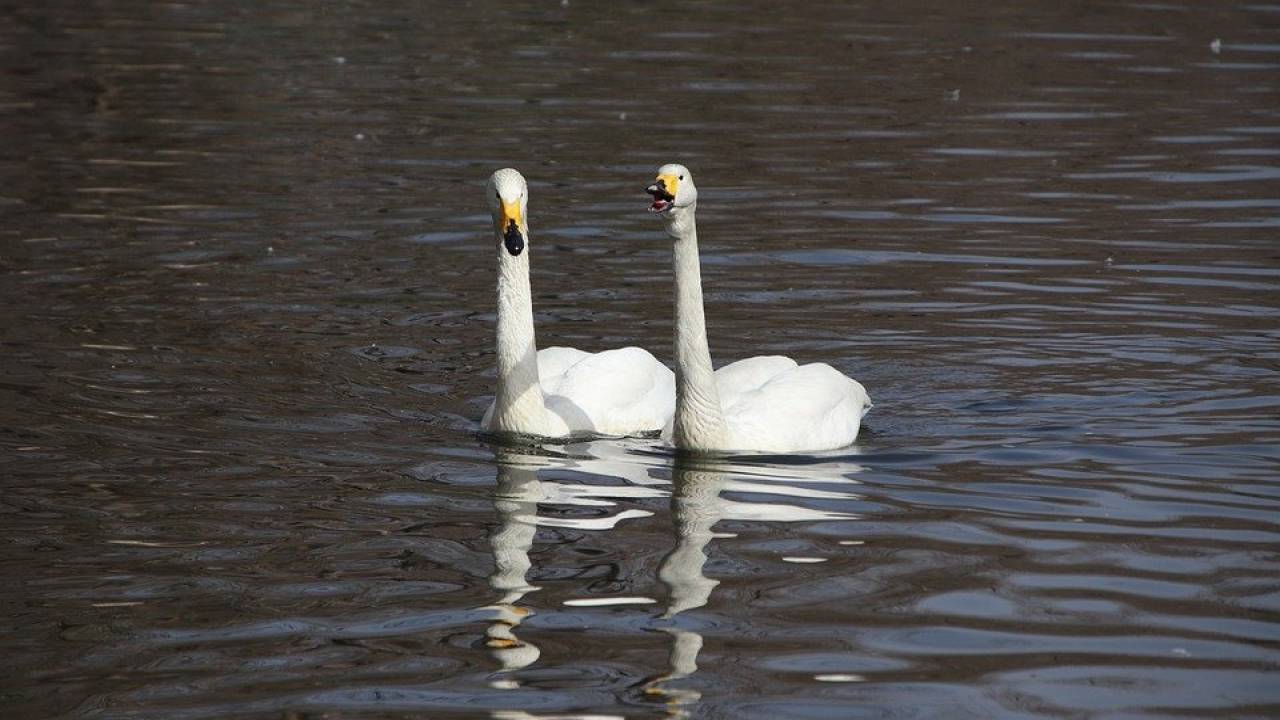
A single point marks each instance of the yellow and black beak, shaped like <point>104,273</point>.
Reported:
<point>511,223</point>
<point>663,190</point>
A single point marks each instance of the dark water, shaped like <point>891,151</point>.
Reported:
<point>247,331</point>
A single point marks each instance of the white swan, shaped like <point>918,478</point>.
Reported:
<point>560,391</point>
<point>766,403</point>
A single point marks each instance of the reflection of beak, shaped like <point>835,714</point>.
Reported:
<point>511,222</point>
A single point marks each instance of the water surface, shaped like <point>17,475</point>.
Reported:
<point>247,298</point>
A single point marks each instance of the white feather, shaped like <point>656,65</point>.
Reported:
<point>563,391</point>
<point>767,403</point>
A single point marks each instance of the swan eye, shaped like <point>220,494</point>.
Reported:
<point>681,177</point>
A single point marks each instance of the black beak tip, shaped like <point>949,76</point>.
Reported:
<point>513,239</point>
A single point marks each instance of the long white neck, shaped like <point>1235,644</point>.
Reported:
<point>519,406</point>
<point>699,421</point>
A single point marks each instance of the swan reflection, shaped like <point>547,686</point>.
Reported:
<point>516,503</point>
<point>696,507</point>
<point>516,498</point>
<point>696,492</point>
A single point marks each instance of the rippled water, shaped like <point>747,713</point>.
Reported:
<point>248,315</point>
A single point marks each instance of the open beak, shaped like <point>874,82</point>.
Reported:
<point>663,191</point>
<point>511,224</point>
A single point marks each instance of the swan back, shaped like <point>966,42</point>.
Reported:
<point>805,408</point>
<point>613,392</point>
<point>772,404</point>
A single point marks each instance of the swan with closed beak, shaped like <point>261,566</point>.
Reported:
<point>559,391</point>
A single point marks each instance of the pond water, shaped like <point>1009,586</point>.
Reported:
<point>247,298</point>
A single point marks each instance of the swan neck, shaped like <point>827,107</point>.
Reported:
<point>519,406</point>
<point>699,421</point>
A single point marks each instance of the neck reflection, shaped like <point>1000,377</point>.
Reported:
<point>518,493</point>
<point>528,477</point>
<point>806,493</point>
<point>695,509</point>
<point>516,503</point>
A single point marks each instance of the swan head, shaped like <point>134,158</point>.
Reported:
<point>672,190</point>
<point>508,201</point>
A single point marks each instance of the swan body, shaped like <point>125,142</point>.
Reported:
<point>765,404</point>
<point>559,391</point>
<point>772,404</point>
<point>614,392</point>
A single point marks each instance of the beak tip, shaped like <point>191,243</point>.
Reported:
<point>513,239</point>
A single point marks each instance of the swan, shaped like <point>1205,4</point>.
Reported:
<point>560,391</point>
<point>765,404</point>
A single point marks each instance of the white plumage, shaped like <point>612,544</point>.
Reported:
<point>767,403</point>
<point>772,404</point>
<point>560,391</point>
<point>613,392</point>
